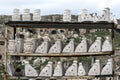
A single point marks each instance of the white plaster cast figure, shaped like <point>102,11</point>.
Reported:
<point>107,44</point>
<point>56,48</point>
<point>26,15</point>
<point>58,71</point>
<point>69,48</point>
<point>67,16</point>
<point>44,47</point>
<point>36,15</point>
<point>84,16</point>
<point>11,46</point>
<point>47,70</point>
<point>108,68</point>
<point>10,68</point>
<point>16,15</point>
<point>29,70</point>
<point>81,70</point>
<point>82,47</point>
<point>95,69</point>
<point>36,62</point>
<point>96,46</point>
<point>72,70</point>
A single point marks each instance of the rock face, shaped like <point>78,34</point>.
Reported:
<point>95,69</point>
<point>67,16</point>
<point>81,70</point>
<point>36,15</point>
<point>82,47</point>
<point>26,15</point>
<point>16,15</point>
<point>29,70</point>
<point>69,48</point>
<point>44,47</point>
<point>72,70</point>
<point>107,45</point>
<point>58,71</point>
<point>47,70</point>
<point>56,48</point>
<point>108,68</point>
<point>96,46</point>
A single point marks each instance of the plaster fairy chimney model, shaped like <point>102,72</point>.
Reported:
<point>72,70</point>
<point>82,47</point>
<point>58,71</point>
<point>36,15</point>
<point>56,48</point>
<point>107,45</point>
<point>10,68</point>
<point>16,15</point>
<point>84,16</point>
<point>26,15</point>
<point>11,46</point>
<point>81,70</point>
<point>29,70</point>
<point>95,69</point>
<point>96,46</point>
<point>69,48</point>
<point>108,68</point>
<point>47,70</point>
<point>67,16</point>
<point>44,47</point>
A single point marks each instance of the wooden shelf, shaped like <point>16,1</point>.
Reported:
<point>62,54</point>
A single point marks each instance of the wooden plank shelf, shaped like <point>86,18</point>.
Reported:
<point>62,54</point>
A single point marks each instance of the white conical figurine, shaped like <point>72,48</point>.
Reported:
<point>36,15</point>
<point>10,68</point>
<point>29,70</point>
<point>58,71</point>
<point>108,68</point>
<point>107,45</point>
<point>69,48</point>
<point>96,46</point>
<point>72,70</point>
<point>82,47</point>
<point>47,70</point>
<point>95,69</point>
<point>26,15</point>
<point>67,16</point>
<point>56,48</point>
<point>16,15</point>
<point>44,47</point>
<point>81,70</point>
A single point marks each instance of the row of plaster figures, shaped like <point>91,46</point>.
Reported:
<point>70,47</point>
<point>84,16</point>
<point>73,70</point>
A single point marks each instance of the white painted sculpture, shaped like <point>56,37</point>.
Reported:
<point>81,70</point>
<point>108,68</point>
<point>29,70</point>
<point>36,15</point>
<point>10,68</point>
<point>84,16</point>
<point>58,71</point>
<point>67,16</point>
<point>20,44</point>
<point>11,46</point>
<point>47,70</point>
<point>72,70</point>
<point>96,46</point>
<point>95,69</point>
<point>36,62</point>
<point>107,45</point>
<point>69,48</point>
<point>26,15</point>
<point>28,46</point>
<point>56,48</point>
<point>16,15</point>
<point>82,47</point>
<point>44,47</point>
